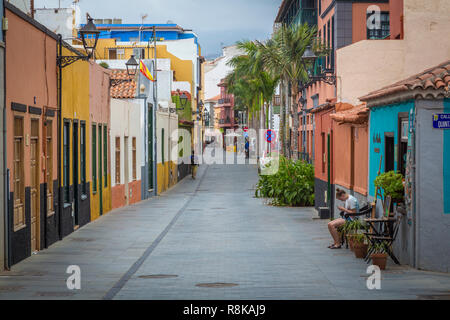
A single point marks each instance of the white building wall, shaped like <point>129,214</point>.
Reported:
<point>168,122</point>
<point>61,20</point>
<point>218,69</point>
<point>125,114</point>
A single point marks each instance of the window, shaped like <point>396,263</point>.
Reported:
<point>328,40</point>
<point>100,148</point>
<point>112,54</point>
<point>66,161</point>
<point>49,166</point>
<point>384,30</point>
<point>320,7</point>
<point>323,152</point>
<point>117,160</point>
<point>332,42</point>
<point>83,157</point>
<point>403,128</point>
<point>133,150</point>
<point>19,191</point>
<point>162,145</point>
<point>105,154</point>
<point>94,158</point>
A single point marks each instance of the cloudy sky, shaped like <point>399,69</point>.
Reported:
<point>216,22</point>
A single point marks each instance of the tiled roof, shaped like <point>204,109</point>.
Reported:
<point>180,92</point>
<point>355,115</point>
<point>432,83</point>
<point>216,98</point>
<point>124,90</point>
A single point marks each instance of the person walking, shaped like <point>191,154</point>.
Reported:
<point>194,165</point>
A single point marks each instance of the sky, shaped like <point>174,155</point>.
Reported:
<point>217,23</point>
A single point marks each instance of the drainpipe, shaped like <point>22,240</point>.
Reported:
<point>155,98</point>
<point>416,200</point>
<point>59,54</point>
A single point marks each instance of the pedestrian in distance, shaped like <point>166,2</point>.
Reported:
<point>194,164</point>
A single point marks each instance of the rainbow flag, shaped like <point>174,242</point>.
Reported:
<point>145,71</point>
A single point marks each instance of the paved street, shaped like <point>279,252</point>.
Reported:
<point>209,238</point>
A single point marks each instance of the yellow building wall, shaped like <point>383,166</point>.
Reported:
<point>184,69</point>
<point>75,105</point>
<point>167,170</point>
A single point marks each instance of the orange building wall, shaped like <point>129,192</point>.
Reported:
<point>395,18</point>
<point>118,199</point>
<point>359,14</point>
<point>30,75</point>
<point>361,160</point>
<point>324,124</point>
<point>342,155</point>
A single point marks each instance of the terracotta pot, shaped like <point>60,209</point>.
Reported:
<point>379,259</point>
<point>360,250</point>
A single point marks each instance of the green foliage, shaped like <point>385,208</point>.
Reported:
<point>104,65</point>
<point>359,238</point>
<point>377,247</point>
<point>183,114</point>
<point>291,185</point>
<point>391,183</point>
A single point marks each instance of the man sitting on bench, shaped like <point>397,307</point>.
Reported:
<point>351,207</point>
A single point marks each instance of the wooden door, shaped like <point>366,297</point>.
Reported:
<point>34,192</point>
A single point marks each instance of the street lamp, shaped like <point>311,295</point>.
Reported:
<point>183,100</point>
<point>132,66</point>
<point>326,75</point>
<point>88,32</point>
<point>309,56</point>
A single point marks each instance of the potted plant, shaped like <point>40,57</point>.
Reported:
<point>379,255</point>
<point>353,230</point>
<point>359,245</point>
<point>392,185</point>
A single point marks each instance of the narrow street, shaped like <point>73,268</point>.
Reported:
<point>209,238</point>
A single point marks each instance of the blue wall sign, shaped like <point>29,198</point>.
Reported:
<point>441,121</point>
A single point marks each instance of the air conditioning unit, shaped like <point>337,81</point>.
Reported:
<point>324,213</point>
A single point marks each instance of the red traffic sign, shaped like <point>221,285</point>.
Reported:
<point>245,129</point>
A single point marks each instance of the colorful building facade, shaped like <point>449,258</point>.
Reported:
<point>32,140</point>
<point>126,143</point>
<point>410,130</point>
<point>100,124</point>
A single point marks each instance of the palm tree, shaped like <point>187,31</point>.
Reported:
<point>283,55</point>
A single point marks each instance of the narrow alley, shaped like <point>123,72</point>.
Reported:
<point>209,238</point>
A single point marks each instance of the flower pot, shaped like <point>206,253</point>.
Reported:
<point>379,259</point>
<point>360,250</point>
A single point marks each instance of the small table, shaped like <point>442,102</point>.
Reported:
<point>385,230</point>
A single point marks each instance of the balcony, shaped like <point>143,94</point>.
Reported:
<point>225,101</point>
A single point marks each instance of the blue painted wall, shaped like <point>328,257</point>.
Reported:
<point>383,119</point>
<point>146,35</point>
<point>446,162</point>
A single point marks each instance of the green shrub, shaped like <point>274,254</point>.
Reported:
<point>291,185</point>
<point>391,183</point>
<point>104,65</point>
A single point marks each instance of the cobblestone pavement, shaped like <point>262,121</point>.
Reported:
<point>209,238</point>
